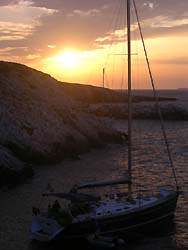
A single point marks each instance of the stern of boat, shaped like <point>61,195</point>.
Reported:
<point>44,229</point>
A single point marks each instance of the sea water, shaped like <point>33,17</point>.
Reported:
<point>151,170</point>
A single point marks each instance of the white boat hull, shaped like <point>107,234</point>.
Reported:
<point>110,219</point>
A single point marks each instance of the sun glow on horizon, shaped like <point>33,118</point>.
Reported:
<point>72,65</point>
<point>69,65</point>
<point>69,59</point>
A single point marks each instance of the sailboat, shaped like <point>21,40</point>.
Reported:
<point>122,214</point>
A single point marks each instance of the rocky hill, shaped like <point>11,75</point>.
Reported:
<point>41,123</point>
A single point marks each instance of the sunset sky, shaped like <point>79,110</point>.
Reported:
<point>71,40</point>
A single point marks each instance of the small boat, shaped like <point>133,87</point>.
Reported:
<point>125,214</point>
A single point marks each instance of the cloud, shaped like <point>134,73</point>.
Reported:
<point>14,31</point>
<point>23,12</point>
<point>6,51</point>
<point>71,29</point>
<point>31,57</point>
<point>70,5</point>
<point>46,27</point>
<point>165,22</point>
<point>17,21</point>
<point>91,12</point>
<point>149,4</point>
<point>13,54</point>
<point>5,2</point>
<point>51,46</point>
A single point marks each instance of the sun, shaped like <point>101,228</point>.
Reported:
<point>71,65</point>
<point>68,59</point>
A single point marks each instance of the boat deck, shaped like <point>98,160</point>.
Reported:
<point>116,206</point>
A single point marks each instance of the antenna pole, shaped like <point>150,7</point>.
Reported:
<point>129,98</point>
<point>103,74</point>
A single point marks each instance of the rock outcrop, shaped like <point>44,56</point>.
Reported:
<point>144,110</point>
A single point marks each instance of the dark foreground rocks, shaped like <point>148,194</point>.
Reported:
<point>12,170</point>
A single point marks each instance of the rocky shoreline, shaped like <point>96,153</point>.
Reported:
<point>145,110</point>
<point>41,124</point>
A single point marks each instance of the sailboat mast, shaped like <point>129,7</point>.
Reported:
<point>129,96</point>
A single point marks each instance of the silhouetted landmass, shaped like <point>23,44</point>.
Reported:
<point>92,95</point>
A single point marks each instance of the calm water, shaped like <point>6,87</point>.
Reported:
<point>151,170</point>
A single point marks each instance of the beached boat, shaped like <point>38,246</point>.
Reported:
<point>121,214</point>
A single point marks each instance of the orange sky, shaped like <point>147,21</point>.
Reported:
<point>166,57</point>
<point>72,40</point>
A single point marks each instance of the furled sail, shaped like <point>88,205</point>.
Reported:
<point>74,197</point>
<point>123,180</point>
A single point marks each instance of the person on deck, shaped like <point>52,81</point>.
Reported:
<point>56,206</point>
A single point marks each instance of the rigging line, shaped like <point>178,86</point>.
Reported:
<point>119,20</point>
<point>115,9</point>
<point>114,28</point>
<point>156,98</point>
<point>124,53</point>
<point>129,97</point>
<point>117,28</point>
<point>138,139</point>
<point>122,28</point>
<point>115,25</point>
<point>124,48</point>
